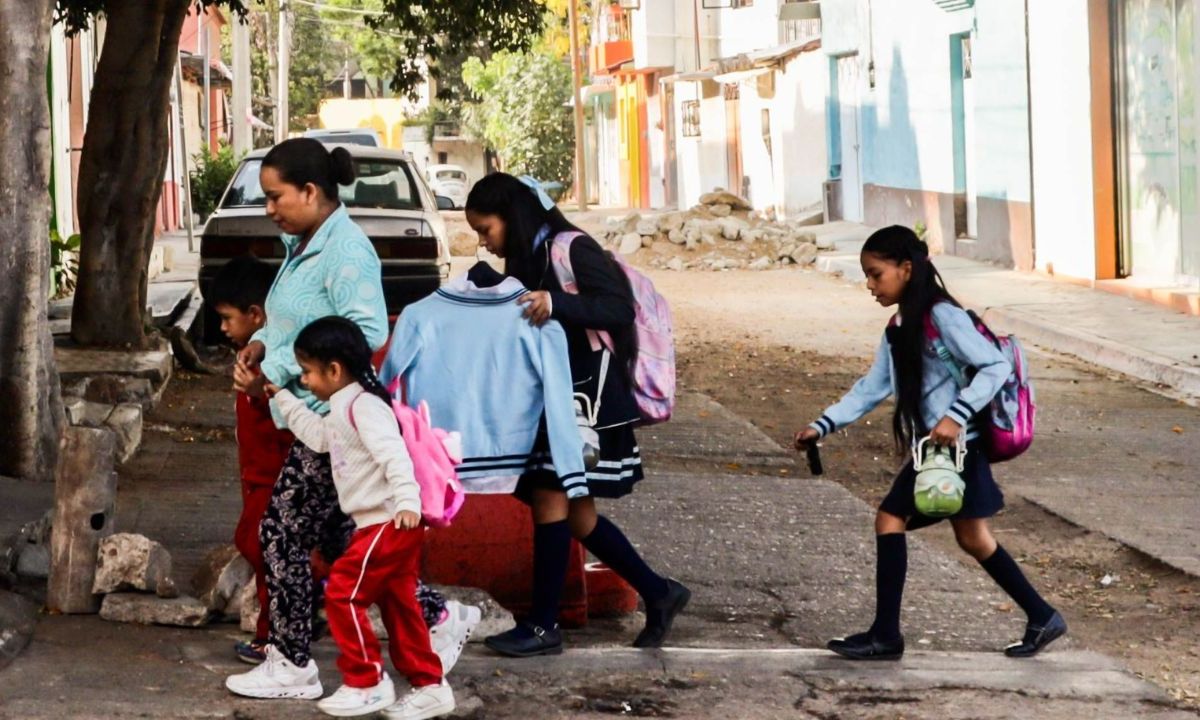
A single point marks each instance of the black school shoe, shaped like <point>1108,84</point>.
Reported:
<point>527,640</point>
<point>661,615</point>
<point>1037,637</point>
<point>865,646</point>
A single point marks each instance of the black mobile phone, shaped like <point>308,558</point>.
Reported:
<point>814,459</point>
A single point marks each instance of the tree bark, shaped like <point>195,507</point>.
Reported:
<point>31,413</point>
<point>121,169</point>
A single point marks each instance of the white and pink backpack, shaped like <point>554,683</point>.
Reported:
<point>435,453</point>
<point>654,366</point>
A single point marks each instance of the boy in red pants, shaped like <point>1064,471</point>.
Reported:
<point>238,294</point>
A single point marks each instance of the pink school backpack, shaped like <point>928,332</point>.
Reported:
<point>654,366</point>
<point>1013,411</point>
<point>434,453</point>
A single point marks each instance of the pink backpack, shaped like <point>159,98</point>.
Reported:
<point>434,453</point>
<point>1013,411</point>
<point>654,366</point>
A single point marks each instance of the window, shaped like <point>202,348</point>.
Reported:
<point>443,158</point>
<point>384,184</point>
<point>691,118</point>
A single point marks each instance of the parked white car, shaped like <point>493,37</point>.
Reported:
<point>450,181</point>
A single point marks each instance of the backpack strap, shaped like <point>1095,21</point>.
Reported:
<point>351,409</point>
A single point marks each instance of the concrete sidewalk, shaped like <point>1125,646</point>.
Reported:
<point>1137,338</point>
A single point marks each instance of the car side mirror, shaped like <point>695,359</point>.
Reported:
<point>444,203</point>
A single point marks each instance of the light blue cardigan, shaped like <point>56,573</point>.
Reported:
<point>337,274</point>
<point>941,395</point>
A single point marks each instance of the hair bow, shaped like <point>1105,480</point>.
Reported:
<point>536,187</point>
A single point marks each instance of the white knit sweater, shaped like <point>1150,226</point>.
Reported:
<point>371,467</point>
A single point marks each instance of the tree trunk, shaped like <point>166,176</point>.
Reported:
<point>31,413</point>
<point>121,169</point>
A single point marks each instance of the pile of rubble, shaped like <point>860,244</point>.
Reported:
<point>721,233</point>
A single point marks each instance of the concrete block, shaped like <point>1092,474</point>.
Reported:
<point>126,423</point>
<point>75,363</point>
<point>85,502</point>
<point>222,575</point>
<point>144,609</point>
<point>127,561</point>
<point>118,390</point>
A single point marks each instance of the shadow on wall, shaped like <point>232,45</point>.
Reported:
<point>891,164</point>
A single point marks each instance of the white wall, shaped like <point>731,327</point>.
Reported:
<point>798,132</point>
<point>656,147</point>
<point>1060,108</point>
<point>701,160</point>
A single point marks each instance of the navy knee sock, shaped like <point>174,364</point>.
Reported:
<point>611,547</point>
<point>891,567</point>
<point>551,550</point>
<point>1007,574</point>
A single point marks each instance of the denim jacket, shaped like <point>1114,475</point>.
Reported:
<point>941,395</point>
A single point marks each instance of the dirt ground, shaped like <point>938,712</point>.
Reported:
<point>1147,614</point>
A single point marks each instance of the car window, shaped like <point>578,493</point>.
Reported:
<point>452,175</point>
<point>386,184</point>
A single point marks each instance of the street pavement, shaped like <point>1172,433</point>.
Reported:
<point>777,564</point>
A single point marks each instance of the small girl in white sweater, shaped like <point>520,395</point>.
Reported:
<point>375,485</point>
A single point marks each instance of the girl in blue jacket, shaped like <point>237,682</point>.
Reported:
<point>517,222</point>
<point>929,402</point>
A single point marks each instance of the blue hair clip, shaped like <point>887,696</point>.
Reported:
<point>536,187</point>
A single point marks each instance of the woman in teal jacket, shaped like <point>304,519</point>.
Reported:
<point>330,268</point>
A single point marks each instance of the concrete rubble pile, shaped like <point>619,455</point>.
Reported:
<point>720,233</point>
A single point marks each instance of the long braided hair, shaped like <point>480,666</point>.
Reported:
<point>336,338</point>
<point>898,244</point>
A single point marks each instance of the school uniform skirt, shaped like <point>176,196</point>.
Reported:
<point>982,497</point>
<point>619,468</point>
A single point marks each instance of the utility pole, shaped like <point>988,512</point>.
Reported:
<point>206,107</point>
<point>285,51</point>
<point>243,140</point>
<point>577,73</point>
<point>347,86</point>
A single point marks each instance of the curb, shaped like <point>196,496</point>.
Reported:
<point>1135,362</point>
<point>1141,364</point>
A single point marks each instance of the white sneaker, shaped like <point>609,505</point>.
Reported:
<point>450,636</point>
<point>352,702</point>
<point>422,703</point>
<point>277,677</point>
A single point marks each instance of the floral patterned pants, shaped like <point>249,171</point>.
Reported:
<point>304,515</point>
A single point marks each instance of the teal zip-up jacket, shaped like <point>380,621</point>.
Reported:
<point>337,274</point>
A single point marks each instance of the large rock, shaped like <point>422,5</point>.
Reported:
<point>249,607</point>
<point>18,617</point>
<point>670,221</point>
<point>127,561</point>
<point>763,263</point>
<point>30,548</point>
<point>732,228</point>
<point>495,618</point>
<point>630,243</point>
<point>118,390</point>
<point>221,576</point>
<point>722,197</point>
<point>629,223</point>
<point>125,421</point>
<point>720,210</point>
<point>675,263</point>
<point>144,609</point>
<point>804,254</point>
<point>85,493</point>
<point>646,226</point>
<point>676,237</point>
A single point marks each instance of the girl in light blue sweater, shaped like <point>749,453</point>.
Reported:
<point>929,402</point>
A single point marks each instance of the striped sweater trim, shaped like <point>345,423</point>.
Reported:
<point>477,300</point>
<point>960,412</point>
<point>824,425</point>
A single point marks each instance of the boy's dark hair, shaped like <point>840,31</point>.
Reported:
<point>336,338</point>
<point>898,244</point>
<point>301,161</point>
<point>240,283</point>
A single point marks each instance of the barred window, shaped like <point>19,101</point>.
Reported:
<point>691,118</point>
